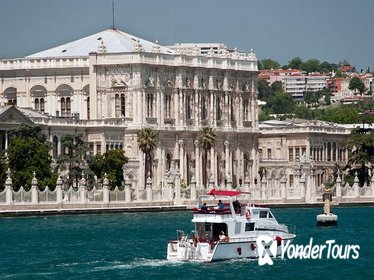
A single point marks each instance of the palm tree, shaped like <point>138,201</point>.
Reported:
<point>147,142</point>
<point>206,139</point>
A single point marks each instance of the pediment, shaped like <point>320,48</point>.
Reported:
<point>12,115</point>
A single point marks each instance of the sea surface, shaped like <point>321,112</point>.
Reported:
<point>133,246</point>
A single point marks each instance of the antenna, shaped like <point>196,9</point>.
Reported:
<point>113,13</point>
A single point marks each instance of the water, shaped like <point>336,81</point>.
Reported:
<point>133,246</point>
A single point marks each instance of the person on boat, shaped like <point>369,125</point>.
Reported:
<point>204,207</point>
<point>222,237</point>
<point>220,205</point>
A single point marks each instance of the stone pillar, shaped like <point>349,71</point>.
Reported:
<point>181,158</point>
<point>227,158</point>
<point>197,164</point>
<point>105,189</point>
<point>302,187</point>
<point>229,182</point>
<point>211,183</point>
<point>177,199</point>
<point>6,140</point>
<point>356,186</point>
<point>338,186</point>
<point>82,190</point>
<point>193,195</point>
<point>246,183</point>
<point>283,182</point>
<point>8,189</point>
<point>169,192</point>
<point>127,189</point>
<point>149,188</point>
<point>34,189</point>
<point>263,187</point>
<point>59,190</point>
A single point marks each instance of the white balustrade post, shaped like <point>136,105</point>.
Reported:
<point>170,188</point>
<point>193,195</point>
<point>105,189</point>
<point>356,186</point>
<point>128,189</point>
<point>59,190</point>
<point>149,187</point>
<point>283,182</point>
<point>263,187</point>
<point>34,189</point>
<point>82,190</point>
<point>338,186</point>
<point>8,189</point>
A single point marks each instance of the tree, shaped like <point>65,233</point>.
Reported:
<point>3,169</point>
<point>147,142</point>
<point>264,90</point>
<point>361,158</point>
<point>312,97</point>
<point>206,138</point>
<point>269,64</point>
<point>281,103</point>
<point>277,86</point>
<point>111,163</point>
<point>357,85</point>
<point>311,65</point>
<point>342,114</point>
<point>28,152</point>
<point>73,156</point>
<point>295,63</point>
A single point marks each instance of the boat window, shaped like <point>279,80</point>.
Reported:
<point>270,215</point>
<point>263,214</point>
<point>249,226</point>
<point>238,227</point>
<point>208,226</point>
<point>254,213</point>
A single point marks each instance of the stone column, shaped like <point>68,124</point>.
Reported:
<point>264,188</point>
<point>181,158</point>
<point>105,189</point>
<point>127,190</point>
<point>59,190</point>
<point>82,190</point>
<point>338,186</point>
<point>193,195</point>
<point>8,189</point>
<point>170,190</point>
<point>149,188</point>
<point>302,187</point>
<point>283,182</point>
<point>197,164</point>
<point>356,186</point>
<point>246,184</point>
<point>34,189</point>
<point>177,199</point>
<point>227,158</point>
<point>229,182</point>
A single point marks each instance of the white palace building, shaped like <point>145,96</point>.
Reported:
<point>111,84</point>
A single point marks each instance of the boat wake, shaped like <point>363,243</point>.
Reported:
<point>136,263</point>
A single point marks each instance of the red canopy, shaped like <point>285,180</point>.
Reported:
<point>224,193</point>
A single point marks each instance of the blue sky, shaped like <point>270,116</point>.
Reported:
<point>329,30</point>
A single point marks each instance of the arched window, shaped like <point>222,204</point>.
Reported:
<point>218,108</point>
<point>86,92</point>
<point>150,100</point>
<point>36,104</point>
<point>334,151</point>
<point>65,92</point>
<point>245,109</point>
<point>117,105</point>
<point>39,93</point>
<point>10,96</point>
<point>123,105</point>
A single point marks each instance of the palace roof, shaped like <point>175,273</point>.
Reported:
<point>109,40</point>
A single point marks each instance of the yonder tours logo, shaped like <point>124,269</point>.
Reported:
<point>267,249</point>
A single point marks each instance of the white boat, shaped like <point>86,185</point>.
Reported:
<point>228,233</point>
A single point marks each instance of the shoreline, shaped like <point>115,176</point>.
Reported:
<point>81,209</point>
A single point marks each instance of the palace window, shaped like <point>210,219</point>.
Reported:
<point>232,103</point>
<point>167,106</point>
<point>189,107</point>
<point>120,105</point>
<point>218,108</point>
<point>150,100</point>
<point>65,106</point>
<point>204,110</point>
<point>245,109</point>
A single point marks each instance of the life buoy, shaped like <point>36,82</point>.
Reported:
<point>279,240</point>
<point>253,246</point>
<point>247,214</point>
<point>239,251</point>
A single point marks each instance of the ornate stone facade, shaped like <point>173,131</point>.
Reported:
<point>110,93</point>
